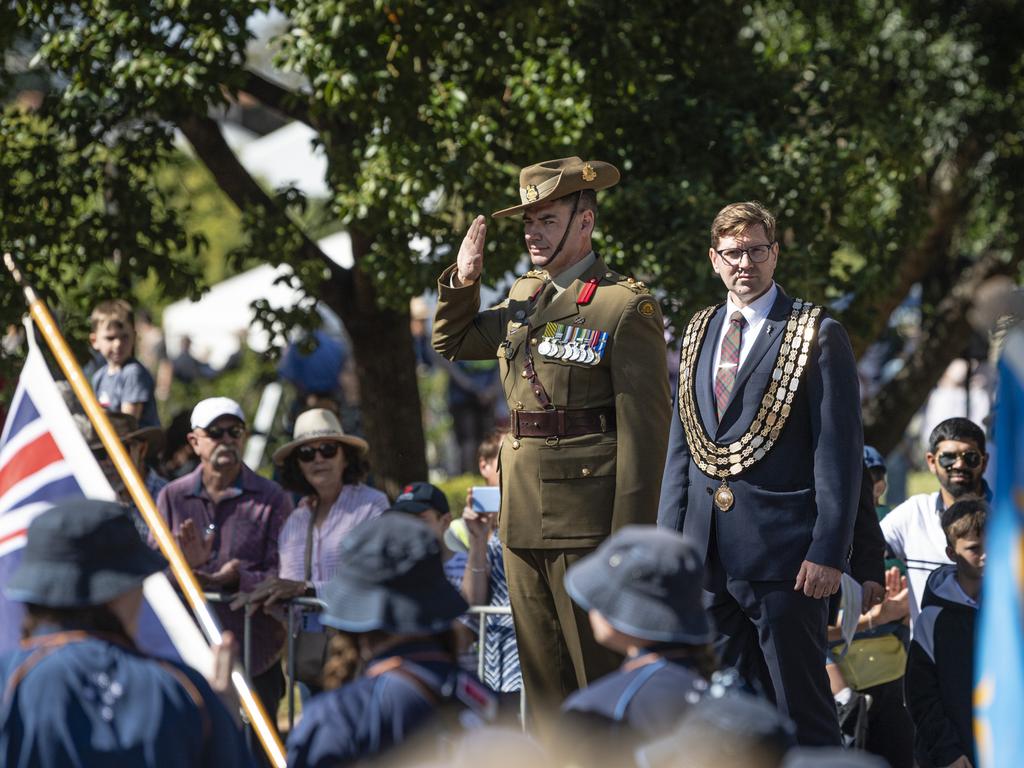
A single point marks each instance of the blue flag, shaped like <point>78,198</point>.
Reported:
<point>999,677</point>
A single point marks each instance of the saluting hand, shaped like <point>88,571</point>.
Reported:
<point>470,263</point>
<point>817,581</point>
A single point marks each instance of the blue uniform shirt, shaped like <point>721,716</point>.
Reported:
<point>375,712</point>
<point>93,702</point>
<point>641,701</point>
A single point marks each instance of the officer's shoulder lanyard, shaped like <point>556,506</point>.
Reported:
<point>44,645</point>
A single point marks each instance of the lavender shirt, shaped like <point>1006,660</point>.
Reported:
<point>248,521</point>
<point>355,504</point>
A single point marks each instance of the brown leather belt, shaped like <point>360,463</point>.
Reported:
<point>562,422</point>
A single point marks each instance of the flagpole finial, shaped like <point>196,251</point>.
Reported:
<point>12,266</point>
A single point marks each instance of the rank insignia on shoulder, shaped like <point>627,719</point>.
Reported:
<point>636,286</point>
<point>538,273</point>
<point>646,308</point>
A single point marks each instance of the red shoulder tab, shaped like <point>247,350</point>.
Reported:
<point>587,294</point>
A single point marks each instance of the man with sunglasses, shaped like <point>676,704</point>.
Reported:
<point>764,469</point>
<point>913,530</point>
<point>227,520</point>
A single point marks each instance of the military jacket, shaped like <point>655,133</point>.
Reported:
<point>571,492</point>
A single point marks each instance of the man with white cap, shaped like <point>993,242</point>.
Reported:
<point>227,520</point>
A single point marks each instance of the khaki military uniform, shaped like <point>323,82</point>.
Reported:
<point>562,496</point>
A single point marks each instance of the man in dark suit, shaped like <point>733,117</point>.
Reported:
<point>764,469</point>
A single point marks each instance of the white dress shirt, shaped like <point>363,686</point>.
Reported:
<point>755,313</point>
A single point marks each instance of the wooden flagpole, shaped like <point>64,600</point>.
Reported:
<point>44,321</point>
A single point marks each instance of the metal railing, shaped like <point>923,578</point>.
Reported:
<point>297,606</point>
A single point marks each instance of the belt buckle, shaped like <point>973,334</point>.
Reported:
<point>552,440</point>
<point>514,419</point>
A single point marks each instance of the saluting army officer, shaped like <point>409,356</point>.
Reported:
<point>582,362</point>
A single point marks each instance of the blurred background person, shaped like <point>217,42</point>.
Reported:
<point>79,692</point>
<point>391,593</point>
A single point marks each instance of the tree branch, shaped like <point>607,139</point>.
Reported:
<point>278,98</point>
<point>232,177</point>
<point>950,202</point>
<point>944,336</point>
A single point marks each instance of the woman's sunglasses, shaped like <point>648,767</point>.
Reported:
<point>308,452</point>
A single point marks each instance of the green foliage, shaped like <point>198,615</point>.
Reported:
<point>455,490</point>
<point>850,119</point>
<point>243,384</point>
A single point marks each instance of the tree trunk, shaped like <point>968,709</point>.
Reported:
<point>386,370</point>
<point>944,337</point>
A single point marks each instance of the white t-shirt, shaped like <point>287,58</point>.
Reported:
<point>914,534</point>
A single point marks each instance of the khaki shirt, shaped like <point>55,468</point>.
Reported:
<point>572,491</point>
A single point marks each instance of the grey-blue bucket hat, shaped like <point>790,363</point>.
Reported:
<point>391,579</point>
<point>83,552</point>
<point>647,582</point>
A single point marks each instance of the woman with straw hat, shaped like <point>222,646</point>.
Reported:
<point>327,467</point>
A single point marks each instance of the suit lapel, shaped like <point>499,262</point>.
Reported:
<point>771,331</point>
<point>704,383</point>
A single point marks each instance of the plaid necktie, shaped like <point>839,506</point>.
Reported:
<point>729,362</point>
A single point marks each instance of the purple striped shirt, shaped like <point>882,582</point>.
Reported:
<point>355,504</point>
<point>248,521</point>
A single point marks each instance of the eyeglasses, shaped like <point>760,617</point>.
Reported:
<point>216,433</point>
<point>308,452</point>
<point>757,253</point>
<point>971,459</point>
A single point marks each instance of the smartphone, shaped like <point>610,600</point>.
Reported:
<point>486,499</point>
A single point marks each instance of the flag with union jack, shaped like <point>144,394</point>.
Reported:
<point>44,459</point>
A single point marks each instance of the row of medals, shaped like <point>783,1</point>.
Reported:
<point>725,461</point>
<point>574,351</point>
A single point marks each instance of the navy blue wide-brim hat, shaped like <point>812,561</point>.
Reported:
<point>647,582</point>
<point>723,730</point>
<point>831,757</point>
<point>81,553</point>
<point>391,579</point>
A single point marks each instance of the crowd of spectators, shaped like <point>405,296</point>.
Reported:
<point>397,578</point>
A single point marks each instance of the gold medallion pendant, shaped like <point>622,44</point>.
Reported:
<point>724,498</point>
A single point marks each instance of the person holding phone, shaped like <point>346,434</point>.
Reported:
<point>484,581</point>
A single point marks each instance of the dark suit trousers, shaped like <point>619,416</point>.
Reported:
<point>557,651</point>
<point>775,638</point>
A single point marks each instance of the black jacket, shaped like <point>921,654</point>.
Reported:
<point>940,672</point>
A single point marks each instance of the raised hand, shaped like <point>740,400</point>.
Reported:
<point>470,263</point>
<point>195,547</point>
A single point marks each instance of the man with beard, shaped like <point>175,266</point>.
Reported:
<point>913,531</point>
<point>227,520</point>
